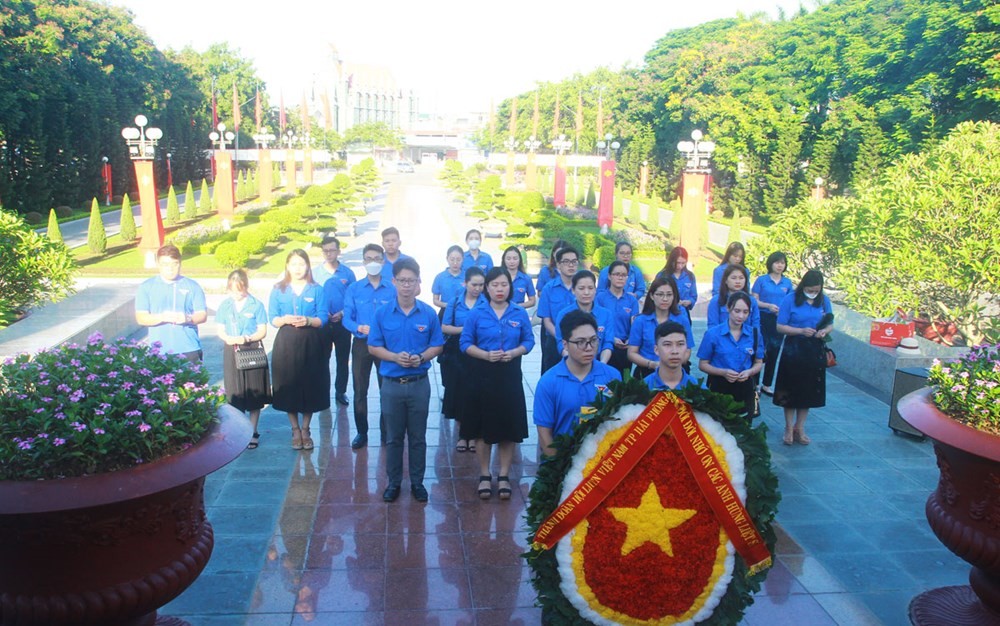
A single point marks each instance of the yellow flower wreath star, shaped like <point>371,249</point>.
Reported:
<point>650,521</point>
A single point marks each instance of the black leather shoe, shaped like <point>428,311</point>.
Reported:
<point>391,493</point>
<point>359,441</point>
<point>419,493</point>
<point>342,399</point>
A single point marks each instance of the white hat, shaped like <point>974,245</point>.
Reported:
<point>908,346</point>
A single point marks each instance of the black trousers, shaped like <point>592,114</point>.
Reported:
<point>743,392</point>
<point>339,344</point>
<point>551,354</point>
<point>361,372</point>
<point>772,345</point>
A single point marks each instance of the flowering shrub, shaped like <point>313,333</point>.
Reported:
<point>197,234</point>
<point>968,390</point>
<point>100,407</point>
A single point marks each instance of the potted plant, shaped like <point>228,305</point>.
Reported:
<point>104,449</point>
<point>960,412</point>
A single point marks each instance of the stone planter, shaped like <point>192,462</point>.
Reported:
<point>964,513</point>
<point>111,548</point>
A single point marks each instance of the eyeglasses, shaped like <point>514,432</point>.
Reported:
<point>619,274</point>
<point>373,259</point>
<point>584,344</point>
<point>407,281</point>
<point>569,262</point>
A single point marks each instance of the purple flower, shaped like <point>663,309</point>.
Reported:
<point>148,402</point>
<point>76,396</point>
<point>144,427</point>
<point>63,388</point>
<point>58,441</point>
<point>98,431</point>
<point>79,427</point>
<point>133,414</point>
<point>145,372</point>
<point>24,445</point>
<point>168,424</point>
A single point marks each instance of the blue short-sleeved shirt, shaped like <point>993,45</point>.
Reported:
<point>311,303</point>
<point>605,326</point>
<point>717,277</point>
<point>554,298</point>
<point>387,266</point>
<point>457,311</point>
<point>560,396</point>
<point>180,296</point>
<point>635,284</point>
<point>622,311</point>
<point>544,276</point>
<point>803,316</point>
<point>361,301</point>
<point>397,331</point>
<point>643,333</point>
<point>243,321</point>
<point>447,286</point>
<point>334,291</point>
<point>770,292</point>
<point>718,312</point>
<point>655,383</point>
<point>345,275</point>
<point>721,350</point>
<point>486,331</point>
<point>687,286</point>
<point>484,262</point>
<point>522,288</point>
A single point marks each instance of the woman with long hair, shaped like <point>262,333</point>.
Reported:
<point>769,290</point>
<point>448,284</point>
<point>734,280</point>
<point>687,286</point>
<point>496,335</point>
<point>524,290</point>
<point>661,305</point>
<point>454,363</point>
<point>805,318</point>
<point>550,271</point>
<point>300,369</point>
<point>584,292</point>
<point>735,254</point>
<point>242,323</point>
<point>635,284</point>
<point>732,353</point>
<point>624,307</point>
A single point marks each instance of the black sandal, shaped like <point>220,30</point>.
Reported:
<point>504,492</point>
<point>487,493</point>
<point>254,441</point>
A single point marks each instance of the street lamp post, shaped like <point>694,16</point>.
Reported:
<point>141,142</point>
<point>560,145</point>
<point>170,172</point>
<point>696,184</point>
<point>818,192</point>
<point>264,169</point>
<point>224,203</point>
<point>106,179</point>
<point>290,138</point>
<point>530,171</point>
<point>606,203</point>
<point>511,145</point>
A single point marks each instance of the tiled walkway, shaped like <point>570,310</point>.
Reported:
<point>303,537</point>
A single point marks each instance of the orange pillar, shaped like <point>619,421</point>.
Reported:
<point>152,222</point>
<point>307,166</point>
<point>224,185</point>
<point>290,170</point>
<point>692,214</point>
<point>264,174</point>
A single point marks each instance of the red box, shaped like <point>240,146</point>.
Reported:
<point>889,334</point>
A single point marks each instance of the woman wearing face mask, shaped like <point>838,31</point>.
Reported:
<point>687,286</point>
<point>524,290</point>
<point>475,256</point>
<point>769,290</point>
<point>660,306</point>
<point>584,292</point>
<point>301,370</point>
<point>805,317</point>
<point>496,335</point>
<point>735,255</point>
<point>734,279</point>
<point>732,353</point>
<point>624,307</point>
<point>454,364</point>
<point>448,285</point>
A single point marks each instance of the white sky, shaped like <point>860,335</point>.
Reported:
<point>456,54</point>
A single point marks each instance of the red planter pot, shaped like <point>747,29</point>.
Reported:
<point>111,548</point>
<point>964,513</point>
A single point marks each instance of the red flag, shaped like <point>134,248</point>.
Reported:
<point>215,108</point>
<point>236,109</point>
<point>559,191</point>
<point>605,207</point>
<point>281,113</point>
<point>258,112</point>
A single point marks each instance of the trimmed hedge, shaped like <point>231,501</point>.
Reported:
<point>232,255</point>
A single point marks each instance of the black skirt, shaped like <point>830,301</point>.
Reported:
<point>247,390</point>
<point>451,368</point>
<point>300,369</point>
<point>494,408</point>
<point>742,391</point>
<point>801,379</point>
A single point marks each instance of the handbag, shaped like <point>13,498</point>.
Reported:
<point>250,356</point>
<point>830,357</point>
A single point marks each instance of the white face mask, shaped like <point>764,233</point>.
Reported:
<point>474,244</point>
<point>811,296</point>
<point>373,269</point>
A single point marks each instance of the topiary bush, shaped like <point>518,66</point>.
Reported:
<point>62,212</point>
<point>190,207</point>
<point>173,209</point>
<point>34,218</point>
<point>603,256</point>
<point>128,230</point>
<point>253,239</point>
<point>232,255</point>
<point>53,232</point>
<point>97,238</point>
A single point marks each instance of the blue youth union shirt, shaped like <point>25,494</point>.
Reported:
<point>411,332</point>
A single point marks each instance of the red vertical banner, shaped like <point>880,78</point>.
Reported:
<point>215,124</point>
<point>258,111</point>
<point>281,114</point>
<point>106,175</point>
<point>606,204</point>
<point>223,191</point>
<point>236,109</point>
<point>152,222</point>
<point>559,189</point>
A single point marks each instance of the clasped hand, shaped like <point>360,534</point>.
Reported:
<point>735,377</point>
<point>405,359</point>
<point>494,356</point>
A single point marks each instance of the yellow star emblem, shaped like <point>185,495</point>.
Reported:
<point>650,521</point>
